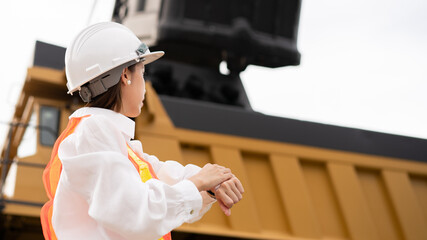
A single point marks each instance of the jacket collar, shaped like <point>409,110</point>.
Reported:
<point>123,123</point>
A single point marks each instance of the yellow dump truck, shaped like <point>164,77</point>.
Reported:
<point>302,180</point>
<point>293,190</point>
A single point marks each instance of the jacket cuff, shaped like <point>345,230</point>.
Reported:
<point>192,200</point>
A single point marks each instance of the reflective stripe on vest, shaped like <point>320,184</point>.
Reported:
<point>53,170</point>
<point>146,172</point>
<point>51,176</point>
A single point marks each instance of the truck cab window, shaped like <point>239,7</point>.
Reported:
<point>48,125</point>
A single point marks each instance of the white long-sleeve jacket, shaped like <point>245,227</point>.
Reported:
<point>100,194</point>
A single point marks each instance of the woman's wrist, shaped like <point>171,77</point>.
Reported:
<point>197,182</point>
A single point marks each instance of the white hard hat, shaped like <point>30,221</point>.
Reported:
<point>97,56</point>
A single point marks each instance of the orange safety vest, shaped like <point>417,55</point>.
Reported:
<point>53,170</point>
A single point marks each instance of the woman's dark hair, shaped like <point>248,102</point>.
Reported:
<point>112,98</point>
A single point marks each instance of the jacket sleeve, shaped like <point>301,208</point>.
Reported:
<point>172,172</point>
<point>95,165</point>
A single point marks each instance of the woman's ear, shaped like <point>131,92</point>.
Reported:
<point>125,76</point>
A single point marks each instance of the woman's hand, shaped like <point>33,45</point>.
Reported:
<point>210,175</point>
<point>229,193</point>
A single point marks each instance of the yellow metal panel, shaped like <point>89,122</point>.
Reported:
<point>195,154</point>
<point>162,147</point>
<point>244,215</point>
<point>314,154</point>
<point>419,184</point>
<point>380,206</point>
<point>48,75</point>
<point>154,117</point>
<point>26,115</point>
<point>41,157</point>
<point>406,205</point>
<point>214,220</point>
<point>28,188</point>
<point>22,210</point>
<point>331,221</point>
<point>21,104</point>
<point>295,196</point>
<point>353,205</point>
<point>63,118</point>
<point>265,191</point>
<point>30,185</point>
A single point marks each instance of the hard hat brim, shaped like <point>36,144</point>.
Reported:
<point>152,56</point>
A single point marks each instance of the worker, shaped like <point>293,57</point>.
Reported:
<point>100,183</point>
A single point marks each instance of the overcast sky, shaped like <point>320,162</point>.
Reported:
<point>364,63</point>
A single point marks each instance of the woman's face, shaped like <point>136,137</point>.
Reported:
<point>133,94</point>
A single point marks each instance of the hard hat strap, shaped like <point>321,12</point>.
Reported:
<point>103,82</point>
